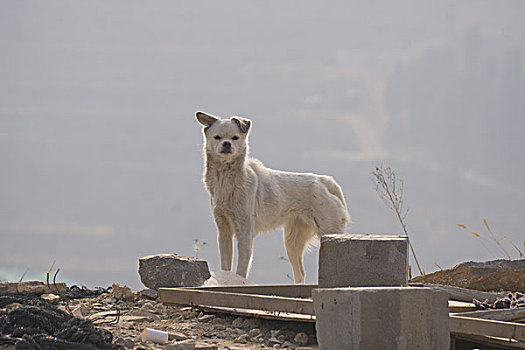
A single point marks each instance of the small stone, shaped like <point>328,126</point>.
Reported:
<point>122,292</point>
<point>206,347</point>
<point>77,312</point>
<point>206,318</point>
<point>149,293</point>
<point>177,336</point>
<point>238,322</point>
<point>288,344</point>
<point>281,338</point>
<point>255,332</point>
<point>52,298</point>
<point>251,322</point>
<point>128,318</point>
<point>275,332</point>
<point>272,341</point>
<point>142,313</point>
<point>124,342</point>
<point>243,339</point>
<point>129,343</point>
<point>13,306</point>
<point>183,345</point>
<point>301,338</point>
<point>149,308</point>
<point>188,314</point>
<point>219,327</point>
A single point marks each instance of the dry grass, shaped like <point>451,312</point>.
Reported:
<point>492,243</point>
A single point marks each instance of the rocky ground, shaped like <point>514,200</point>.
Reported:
<point>125,315</point>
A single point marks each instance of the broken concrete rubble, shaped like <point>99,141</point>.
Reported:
<point>172,270</point>
<point>495,275</point>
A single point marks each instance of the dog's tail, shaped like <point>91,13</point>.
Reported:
<point>334,188</point>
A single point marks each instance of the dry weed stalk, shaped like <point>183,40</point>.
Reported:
<point>492,239</point>
<point>390,189</point>
<point>197,244</point>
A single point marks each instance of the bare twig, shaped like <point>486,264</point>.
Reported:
<point>390,189</point>
<point>21,278</point>
<point>197,244</point>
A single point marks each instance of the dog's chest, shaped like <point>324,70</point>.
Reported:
<point>224,187</point>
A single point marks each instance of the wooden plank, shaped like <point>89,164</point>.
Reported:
<point>499,315</point>
<point>252,294</point>
<point>283,290</point>
<point>490,328</point>
<point>455,306</point>
<point>193,297</point>
<point>498,343</point>
<point>463,294</point>
<point>278,316</point>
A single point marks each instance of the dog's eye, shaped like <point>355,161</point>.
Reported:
<point>235,138</point>
<point>217,137</point>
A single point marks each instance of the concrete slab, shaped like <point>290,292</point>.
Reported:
<point>363,260</point>
<point>381,318</point>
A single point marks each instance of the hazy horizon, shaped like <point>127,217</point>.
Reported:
<point>102,156</point>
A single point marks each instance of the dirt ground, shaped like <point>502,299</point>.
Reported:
<point>126,318</point>
<point>187,326</point>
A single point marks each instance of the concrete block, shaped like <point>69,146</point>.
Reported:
<point>381,318</point>
<point>363,261</point>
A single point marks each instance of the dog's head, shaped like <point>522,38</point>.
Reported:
<point>225,138</point>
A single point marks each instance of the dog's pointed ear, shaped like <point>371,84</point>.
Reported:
<point>243,124</point>
<point>206,119</point>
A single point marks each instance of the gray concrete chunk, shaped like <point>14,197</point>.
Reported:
<point>363,260</point>
<point>172,270</point>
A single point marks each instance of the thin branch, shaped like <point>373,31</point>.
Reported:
<point>390,189</point>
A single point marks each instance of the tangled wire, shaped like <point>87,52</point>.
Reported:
<point>37,324</point>
<point>511,301</point>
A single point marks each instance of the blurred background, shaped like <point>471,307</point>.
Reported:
<point>101,155</point>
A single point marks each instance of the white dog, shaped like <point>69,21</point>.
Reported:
<point>247,198</point>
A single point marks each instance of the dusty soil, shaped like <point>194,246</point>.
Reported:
<point>190,325</point>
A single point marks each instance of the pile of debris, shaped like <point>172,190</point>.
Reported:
<point>115,318</point>
<point>495,275</point>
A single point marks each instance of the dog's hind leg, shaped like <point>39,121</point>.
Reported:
<point>297,233</point>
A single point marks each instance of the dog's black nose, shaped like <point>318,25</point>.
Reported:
<point>226,144</point>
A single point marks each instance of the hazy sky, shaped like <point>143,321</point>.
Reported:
<point>101,156</point>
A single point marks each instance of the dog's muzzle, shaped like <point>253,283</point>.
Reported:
<point>226,147</point>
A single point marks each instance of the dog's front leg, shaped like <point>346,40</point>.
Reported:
<point>225,238</point>
<point>226,250</point>
<point>244,248</point>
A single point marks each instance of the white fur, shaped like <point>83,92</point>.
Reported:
<point>248,198</point>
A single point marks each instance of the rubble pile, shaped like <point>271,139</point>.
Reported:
<point>495,275</point>
<point>114,318</point>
